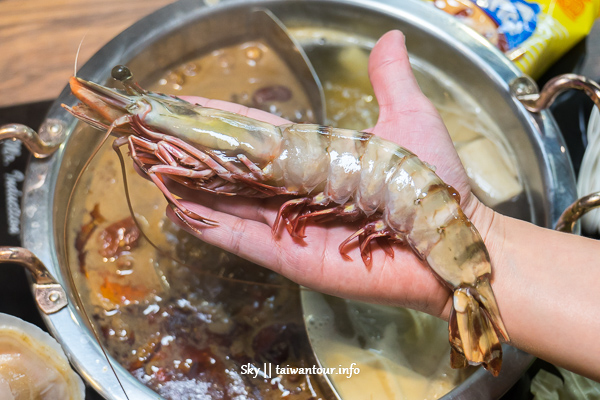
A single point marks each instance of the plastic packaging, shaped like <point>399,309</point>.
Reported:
<point>533,34</point>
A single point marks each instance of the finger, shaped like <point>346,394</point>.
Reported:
<point>406,116</point>
<point>248,239</point>
<point>394,83</point>
<point>260,210</point>
<point>238,109</point>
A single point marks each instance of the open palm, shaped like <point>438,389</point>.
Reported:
<point>407,118</point>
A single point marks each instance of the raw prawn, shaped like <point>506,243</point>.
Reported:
<point>333,172</point>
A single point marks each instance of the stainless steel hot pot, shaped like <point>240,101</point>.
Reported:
<point>187,28</point>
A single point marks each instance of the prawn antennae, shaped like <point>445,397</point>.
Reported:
<point>77,54</point>
<point>72,281</point>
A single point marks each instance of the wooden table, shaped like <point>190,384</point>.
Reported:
<point>39,41</point>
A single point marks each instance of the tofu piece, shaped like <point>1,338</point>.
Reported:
<point>491,178</point>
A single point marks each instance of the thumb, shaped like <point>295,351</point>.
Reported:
<point>393,81</point>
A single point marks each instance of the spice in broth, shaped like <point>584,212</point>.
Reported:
<point>186,330</point>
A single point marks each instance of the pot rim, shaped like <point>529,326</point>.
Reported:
<point>68,326</point>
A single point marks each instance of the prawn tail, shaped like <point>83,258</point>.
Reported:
<point>475,328</point>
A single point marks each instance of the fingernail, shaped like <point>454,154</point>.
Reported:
<point>402,35</point>
<point>395,32</point>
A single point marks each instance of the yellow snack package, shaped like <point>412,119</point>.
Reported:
<point>531,34</point>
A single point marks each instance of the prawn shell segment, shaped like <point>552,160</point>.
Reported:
<point>302,164</point>
<point>346,149</point>
<point>460,256</point>
<point>409,183</point>
<point>379,161</point>
<point>433,214</point>
<point>219,131</point>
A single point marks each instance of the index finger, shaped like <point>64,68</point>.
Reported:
<point>238,109</point>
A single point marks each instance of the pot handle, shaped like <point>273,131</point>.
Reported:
<point>569,217</point>
<point>526,90</point>
<point>49,294</point>
<point>40,148</point>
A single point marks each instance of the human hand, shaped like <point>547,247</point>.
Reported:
<point>406,117</point>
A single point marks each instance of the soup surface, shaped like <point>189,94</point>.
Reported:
<point>190,321</point>
<point>181,315</point>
